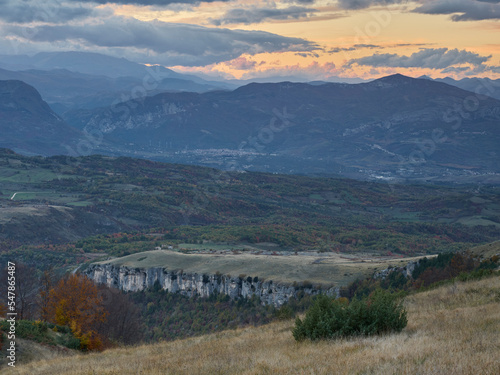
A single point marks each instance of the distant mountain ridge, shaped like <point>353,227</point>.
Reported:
<point>73,79</point>
<point>65,90</point>
<point>94,64</point>
<point>482,86</point>
<point>395,126</point>
<point>80,62</point>
<point>27,123</point>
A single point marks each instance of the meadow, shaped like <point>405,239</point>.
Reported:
<point>318,268</point>
<point>454,329</point>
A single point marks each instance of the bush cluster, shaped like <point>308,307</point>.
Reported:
<point>44,333</point>
<point>327,318</point>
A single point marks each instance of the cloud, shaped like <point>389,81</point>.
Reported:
<point>456,70</point>
<point>433,58</point>
<point>160,42</point>
<point>463,10</point>
<point>51,11</point>
<point>256,15</point>
<point>366,46</point>
<point>373,46</point>
<point>151,2</point>
<point>362,4</point>
<point>341,49</point>
<point>311,72</point>
<point>483,69</point>
<point>300,1</point>
<point>353,48</point>
<point>241,63</point>
<point>307,54</point>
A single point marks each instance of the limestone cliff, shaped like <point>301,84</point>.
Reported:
<point>406,271</point>
<point>191,284</point>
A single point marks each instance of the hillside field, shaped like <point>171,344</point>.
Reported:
<point>454,329</point>
<point>59,211</point>
<point>318,268</point>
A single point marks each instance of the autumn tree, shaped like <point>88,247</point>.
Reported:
<point>47,281</point>
<point>76,302</point>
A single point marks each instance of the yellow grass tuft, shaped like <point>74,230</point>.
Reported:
<point>452,330</point>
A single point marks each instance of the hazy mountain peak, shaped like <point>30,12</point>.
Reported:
<point>395,79</point>
<point>27,123</point>
<point>16,95</point>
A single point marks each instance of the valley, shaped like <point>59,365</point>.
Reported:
<point>397,130</point>
<point>249,187</point>
<point>121,205</point>
<point>199,212</point>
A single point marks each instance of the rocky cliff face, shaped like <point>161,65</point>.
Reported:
<point>406,271</point>
<point>137,279</point>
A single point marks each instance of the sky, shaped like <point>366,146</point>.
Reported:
<point>247,39</point>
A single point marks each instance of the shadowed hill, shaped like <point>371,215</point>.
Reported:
<point>28,125</point>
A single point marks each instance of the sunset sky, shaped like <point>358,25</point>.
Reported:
<point>311,39</point>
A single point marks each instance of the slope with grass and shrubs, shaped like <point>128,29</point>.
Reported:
<point>428,273</point>
<point>43,333</point>
<point>381,312</point>
<point>452,329</point>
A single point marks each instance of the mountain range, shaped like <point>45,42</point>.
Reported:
<point>69,80</point>
<point>88,63</point>
<point>65,90</point>
<point>394,128</point>
<point>391,128</point>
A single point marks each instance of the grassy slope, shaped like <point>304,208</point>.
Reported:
<point>488,250</point>
<point>327,269</point>
<point>28,351</point>
<point>452,330</point>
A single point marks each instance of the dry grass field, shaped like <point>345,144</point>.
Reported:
<point>452,330</point>
<point>318,268</point>
<point>488,250</point>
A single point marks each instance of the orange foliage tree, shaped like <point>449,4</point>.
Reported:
<point>76,302</point>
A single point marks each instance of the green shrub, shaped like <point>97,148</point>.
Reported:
<point>381,312</point>
<point>45,333</point>
<point>69,341</point>
<point>285,312</point>
<point>477,274</point>
<point>33,330</point>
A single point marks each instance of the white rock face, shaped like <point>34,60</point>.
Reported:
<point>137,279</point>
<point>406,271</point>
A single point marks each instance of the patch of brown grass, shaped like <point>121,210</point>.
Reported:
<point>325,269</point>
<point>488,250</point>
<point>452,330</point>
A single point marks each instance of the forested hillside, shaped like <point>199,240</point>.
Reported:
<point>68,207</point>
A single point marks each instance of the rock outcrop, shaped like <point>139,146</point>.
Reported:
<point>406,271</point>
<point>193,284</point>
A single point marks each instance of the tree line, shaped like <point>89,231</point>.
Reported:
<point>96,315</point>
